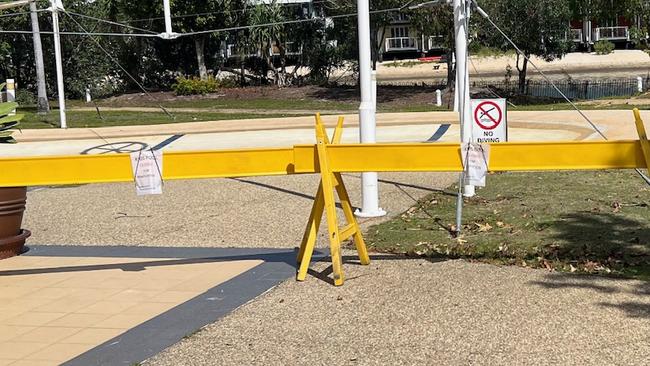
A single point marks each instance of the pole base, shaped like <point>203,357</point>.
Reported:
<point>469,191</point>
<point>368,214</point>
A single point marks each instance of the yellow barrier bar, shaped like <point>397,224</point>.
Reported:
<point>80,169</point>
<point>504,157</point>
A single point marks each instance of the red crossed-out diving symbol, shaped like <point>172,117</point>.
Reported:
<point>488,115</point>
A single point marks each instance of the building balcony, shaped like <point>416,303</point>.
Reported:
<point>435,43</point>
<point>401,44</point>
<point>611,34</point>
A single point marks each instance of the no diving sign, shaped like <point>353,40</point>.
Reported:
<point>489,120</point>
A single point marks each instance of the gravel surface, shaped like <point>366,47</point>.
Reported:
<point>405,312</point>
<point>268,212</point>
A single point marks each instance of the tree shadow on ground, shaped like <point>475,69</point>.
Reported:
<point>608,243</point>
<point>601,239</point>
<point>325,274</point>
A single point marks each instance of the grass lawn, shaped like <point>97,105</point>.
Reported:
<point>232,103</point>
<point>122,118</point>
<point>594,222</point>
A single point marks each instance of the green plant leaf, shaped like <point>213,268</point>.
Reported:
<point>6,108</point>
<point>5,134</point>
<point>8,119</point>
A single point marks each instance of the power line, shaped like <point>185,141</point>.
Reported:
<point>107,34</point>
<point>118,64</point>
<point>111,22</point>
<point>286,22</point>
<point>242,10</point>
<point>20,13</point>
<point>148,35</point>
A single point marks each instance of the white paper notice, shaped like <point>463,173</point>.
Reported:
<point>476,158</point>
<point>147,171</point>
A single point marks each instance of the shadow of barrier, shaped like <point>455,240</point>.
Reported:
<point>330,159</point>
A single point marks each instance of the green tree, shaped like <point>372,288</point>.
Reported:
<point>537,27</point>
<point>438,21</point>
<point>210,14</point>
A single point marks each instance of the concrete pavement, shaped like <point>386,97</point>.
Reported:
<point>273,132</point>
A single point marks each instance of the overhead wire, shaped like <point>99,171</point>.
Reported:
<point>111,22</point>
<point>487,86</point>
<point>21,13</point>
<point>217,30</point>
<point>241,10</point>
<point>120,65</point>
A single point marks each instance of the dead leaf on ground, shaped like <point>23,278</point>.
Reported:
<point>483,227</point>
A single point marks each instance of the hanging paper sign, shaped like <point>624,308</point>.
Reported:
<point>147,171</point>
<point>476,158</point>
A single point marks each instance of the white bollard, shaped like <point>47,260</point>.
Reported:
<point>438,98</point>
<point>88,97</point>
<point>11,93</point>
<point>639,81</point>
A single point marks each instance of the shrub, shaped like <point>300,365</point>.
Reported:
<point>194,85</point>
<point>603,47</point>
<point>25,98</point>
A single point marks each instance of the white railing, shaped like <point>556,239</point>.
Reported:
<point>576,35</point>
<point>612,34</point>
<point>234,51</point>
<point>401,44</point>
<point>435,42</point>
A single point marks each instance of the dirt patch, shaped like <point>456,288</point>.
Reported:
<point>388,96</point>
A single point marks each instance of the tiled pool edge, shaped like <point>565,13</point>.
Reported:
<point>166,329</point>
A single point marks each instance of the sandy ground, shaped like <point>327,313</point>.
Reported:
<point>621,63</point>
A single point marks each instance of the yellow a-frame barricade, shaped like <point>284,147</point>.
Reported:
<point>324,201</point>
<point>643,137</point>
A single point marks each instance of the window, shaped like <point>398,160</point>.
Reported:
<point>399,32</point>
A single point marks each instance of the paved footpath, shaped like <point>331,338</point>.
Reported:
<point>395,311</point>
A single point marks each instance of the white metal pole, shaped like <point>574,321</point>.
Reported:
<point>453,62</point>
<point>462,75</point>
<point>367,127</point>
<point>168,17</point>
<point>56,5</point>
<point>462,95</point>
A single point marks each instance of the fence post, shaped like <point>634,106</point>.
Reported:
<point>586,90</point>
<point>639,81</point>
<point>438,98</point>
<point>11,93</point>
